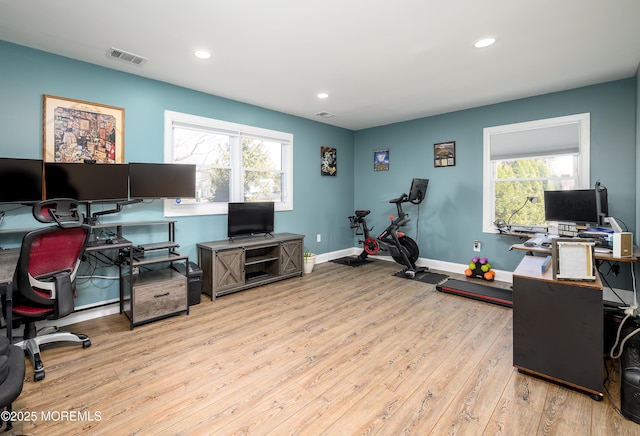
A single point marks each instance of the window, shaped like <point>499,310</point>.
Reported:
<point>234,163</point>
<point>525,159</point>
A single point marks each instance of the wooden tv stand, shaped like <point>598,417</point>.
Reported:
<point>234,265</point>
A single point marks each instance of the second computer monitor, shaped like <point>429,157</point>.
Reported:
<point>86,182</point>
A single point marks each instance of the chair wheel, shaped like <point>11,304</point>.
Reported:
<point>86,343</point>
<point>38,376</point>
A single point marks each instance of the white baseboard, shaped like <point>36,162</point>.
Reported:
<point>450,267</point>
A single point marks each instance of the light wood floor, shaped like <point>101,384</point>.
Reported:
<point>342,351</point>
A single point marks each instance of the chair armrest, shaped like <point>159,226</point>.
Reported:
<point>7,310</point>
<point>63,294</point>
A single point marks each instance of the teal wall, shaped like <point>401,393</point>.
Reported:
<point>319,202</point>
<point>450,219</point>
<point>637,234</point>
<point>444,225</point>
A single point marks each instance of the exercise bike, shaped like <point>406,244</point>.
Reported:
<point>402,248</point>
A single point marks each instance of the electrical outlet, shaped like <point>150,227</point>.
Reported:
<point>318,238</point>
<point>476,245</point>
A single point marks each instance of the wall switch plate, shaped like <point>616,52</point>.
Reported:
<point>476,246</point>
<point>318,238</point>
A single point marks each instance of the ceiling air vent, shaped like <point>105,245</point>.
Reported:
<point>325,114</point>
<point>124,56</point>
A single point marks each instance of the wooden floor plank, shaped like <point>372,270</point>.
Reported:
<point>340,351</point>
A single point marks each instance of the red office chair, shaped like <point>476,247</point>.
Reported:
<point>44,281</point>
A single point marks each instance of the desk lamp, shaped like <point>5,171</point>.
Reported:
<point>531,199</point>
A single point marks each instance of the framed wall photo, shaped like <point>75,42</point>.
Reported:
<point>381,160</point>
<point>444,154</point>
<point>75,131</point>
<point>329,161</point>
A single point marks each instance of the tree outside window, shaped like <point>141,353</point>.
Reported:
<point>234,163</point>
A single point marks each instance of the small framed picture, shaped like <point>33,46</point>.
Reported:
<point>328,161</point>
<point>381,160</point>
<point>444,154</point>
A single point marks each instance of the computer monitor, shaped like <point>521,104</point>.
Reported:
<point>162,180</point>
<point>578,206</point>
<point>20,180</point>
<point>603,205</point>
<point>418,190</point>
<point>87,182</point>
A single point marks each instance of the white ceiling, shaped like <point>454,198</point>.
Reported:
<point>381,61</point>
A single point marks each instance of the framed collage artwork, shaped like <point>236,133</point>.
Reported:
<point>79,131</point>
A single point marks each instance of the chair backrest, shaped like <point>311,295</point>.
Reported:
<point>62,211</point>
<point>47,252</point>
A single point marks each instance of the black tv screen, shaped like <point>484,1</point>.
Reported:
<point>250,218</point>
<point>86,182</point>
<point>162,180</point>
<point>21,180</point>
<point>576,206</point>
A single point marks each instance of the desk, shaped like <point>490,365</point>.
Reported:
<point>159,304</point>
<point>557,327</point>
<point>8,262</point>
<point>611,295</point>
<point>598,256</point>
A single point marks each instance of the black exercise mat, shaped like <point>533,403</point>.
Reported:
<point>477,291</point>
<point>351,261</point>
<point>424,277</point>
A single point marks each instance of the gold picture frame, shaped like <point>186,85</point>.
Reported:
<point>80,131</point>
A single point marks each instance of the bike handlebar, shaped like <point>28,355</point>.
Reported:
<point>401,199</point>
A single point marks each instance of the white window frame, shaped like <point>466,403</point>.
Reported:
<point>171,119</point>
<point>584,147</point>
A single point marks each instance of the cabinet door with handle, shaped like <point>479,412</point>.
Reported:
<point>291,257</point>
<point>228,269</point>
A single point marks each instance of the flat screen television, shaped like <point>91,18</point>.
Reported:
<point>86,182</point>
<point>250,218</point>
<point>578,206</point>
<point>418,190</point>
<point>21,180</point>
<point>162,180</point>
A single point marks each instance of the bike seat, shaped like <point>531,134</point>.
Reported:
<point>362,213</point>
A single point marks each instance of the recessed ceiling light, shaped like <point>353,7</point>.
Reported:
<point>485,42</point>
<point>323,95</point>
<point>202,54</point>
